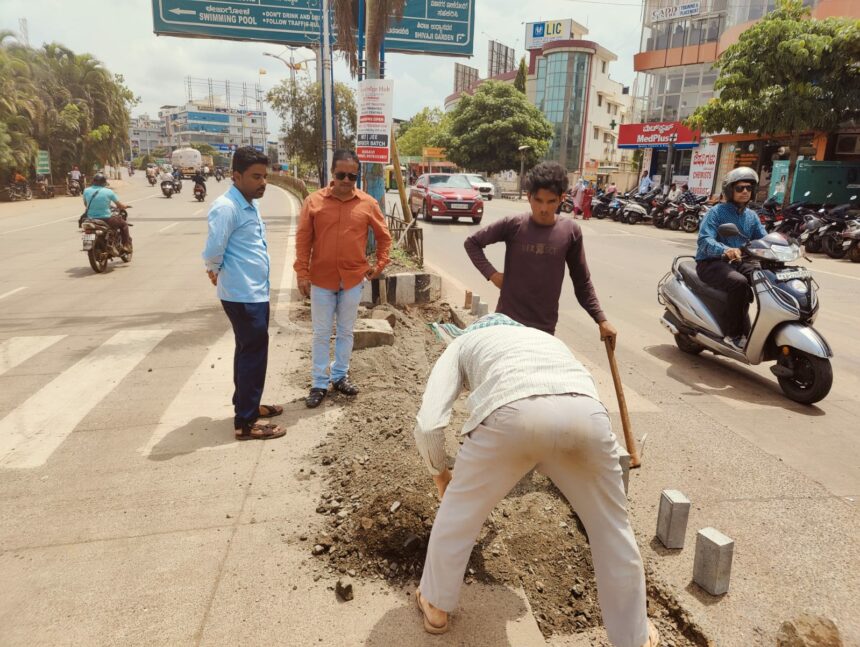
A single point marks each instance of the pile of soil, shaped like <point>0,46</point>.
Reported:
<point>378,503</point>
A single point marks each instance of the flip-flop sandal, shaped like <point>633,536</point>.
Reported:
<point>259,431</point>
<point>429,627</point>
<point>272,410</point>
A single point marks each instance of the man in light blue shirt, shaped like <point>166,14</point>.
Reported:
<point>237,261</point>
<point>645,183</point>
<point>718,263</point>
<point>97,199</point>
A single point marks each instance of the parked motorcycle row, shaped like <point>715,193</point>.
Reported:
<point>832,229</point>
<point>650,208</point>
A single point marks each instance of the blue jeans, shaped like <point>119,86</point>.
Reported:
<point>250,323</point>
<point>325,305</point>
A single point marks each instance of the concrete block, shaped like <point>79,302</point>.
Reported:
<point>624,461</point>
<point>461,317</point>
<point>367,293</point>
<point>712,566</point>
<point>672,518</point>
<point>386,315</point>
<point>468,303</point>
<point>369,333</point>
<point>476,302</point>
<point>428,288</point>
<point>483,309</point>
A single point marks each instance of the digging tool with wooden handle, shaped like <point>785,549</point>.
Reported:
<point>622,406</point>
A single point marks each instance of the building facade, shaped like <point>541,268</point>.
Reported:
<point>223,128</point>
<point>569,81</point>
<point>146,135</point>
<point>680,41</point>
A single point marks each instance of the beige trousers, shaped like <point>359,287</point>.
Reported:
<point>569,438</point>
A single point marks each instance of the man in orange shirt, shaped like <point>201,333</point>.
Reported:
<point>331,266</point>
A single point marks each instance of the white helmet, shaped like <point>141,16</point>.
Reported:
<point>737,175</point>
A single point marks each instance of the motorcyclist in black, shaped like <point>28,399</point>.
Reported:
<point>199,179</point>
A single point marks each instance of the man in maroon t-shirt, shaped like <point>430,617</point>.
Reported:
<point>537,247</point>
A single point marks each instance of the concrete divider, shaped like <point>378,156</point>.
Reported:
<point>402,289</point>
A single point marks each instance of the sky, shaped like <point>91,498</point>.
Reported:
<point>119,33</point>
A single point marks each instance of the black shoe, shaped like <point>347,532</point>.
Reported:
<point>345,386</point>
<point>315,397</point>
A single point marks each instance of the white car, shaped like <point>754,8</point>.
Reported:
<point>480,184</point>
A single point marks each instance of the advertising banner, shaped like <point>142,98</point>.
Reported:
<point>677,11</point>
<point>540,33</point>
<point>373,134</point>
<point>703,167</point>
<point>657,135</point>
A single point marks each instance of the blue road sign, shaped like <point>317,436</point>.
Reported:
<point>442,27</point>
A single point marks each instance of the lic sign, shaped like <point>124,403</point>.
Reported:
<point>540,33</point>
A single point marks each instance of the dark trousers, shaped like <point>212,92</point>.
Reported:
<point>251,328</point>
<point>735,280</point>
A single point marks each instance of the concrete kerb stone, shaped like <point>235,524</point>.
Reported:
<point>712,566</point>
<point>404,288</point>
<point>672,518</point>
<point>370,333</point>
<point>476,303</point>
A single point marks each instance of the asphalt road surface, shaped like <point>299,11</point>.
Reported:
<point>626,262</point>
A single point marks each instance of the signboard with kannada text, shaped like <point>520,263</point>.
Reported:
<point>43,163</point>
<point>375,101</point>
<point>703,167</point>
<point>443,27</point>
<point>657,135</point>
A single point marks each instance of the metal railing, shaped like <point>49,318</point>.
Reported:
<point>406,234</point>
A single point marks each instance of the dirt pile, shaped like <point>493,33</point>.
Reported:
<point>378,504</point>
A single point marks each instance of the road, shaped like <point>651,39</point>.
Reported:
<point>626,263</point>
<point>131,516</point>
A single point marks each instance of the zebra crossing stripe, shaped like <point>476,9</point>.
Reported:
<point>34,430</point>
<point>18,350</point>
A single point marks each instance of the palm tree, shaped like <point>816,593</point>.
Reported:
<point>378,14</point>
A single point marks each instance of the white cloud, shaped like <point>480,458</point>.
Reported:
<point>119,33</point>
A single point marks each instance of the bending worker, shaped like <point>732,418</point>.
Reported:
<point>532,404</point>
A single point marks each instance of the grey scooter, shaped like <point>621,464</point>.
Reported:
<point>787,304</point>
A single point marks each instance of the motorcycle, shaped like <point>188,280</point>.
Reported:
<point>218,176</point>
<point>19,192</point>
<point>691,215</point>
<point>638,209</point>
<point>74,188</point>
<point>168,187</point>
<point>566,205</point>
<point>151,179</point>
<point>836,222</point>
<point>199,192</point>
<point>601,204</point>
<point>787,302</point>
<point>177,184</point>
<point>851,241</point>
<point>102,242</point>
<point>44,189</point>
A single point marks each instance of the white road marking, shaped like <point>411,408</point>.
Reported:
<point>168,227</point>
<point>41,224</point>
<point>815,270</point>
<point>149,197</point>
<point>11,292</point>
<point>16,350</point>
<point>205,393</point>
<point>34,430</point>
<point>199,211</point>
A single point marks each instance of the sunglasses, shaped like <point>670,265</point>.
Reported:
<point>743,188</point>
<point>341,175</point>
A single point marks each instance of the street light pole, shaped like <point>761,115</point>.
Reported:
<point>670,161</point>
<point>522,150</point>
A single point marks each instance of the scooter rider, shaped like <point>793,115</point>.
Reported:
<point>97,198</point>
<point>719,264</point>
<point>199,179</point>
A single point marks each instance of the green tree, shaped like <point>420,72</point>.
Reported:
<point>424,129</point>
<point>299,104</point>
<point>65,103</point>
<point>487,129</point>
<point>787,74</point>
<point>522,72</point>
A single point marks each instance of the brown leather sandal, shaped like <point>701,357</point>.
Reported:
<point>259,431</point>
<point>270,410</point>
